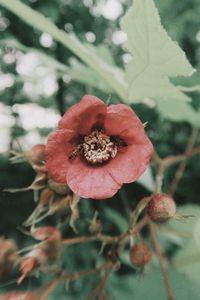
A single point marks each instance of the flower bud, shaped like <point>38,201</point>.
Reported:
<point>51,241</point>
<point>8,255</point>
<point>161,208</point>
<point>37,154</point>
<point>59,188</point>
<point>30,262</point>
<point>140,255</point>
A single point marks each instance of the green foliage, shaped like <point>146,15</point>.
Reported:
<point>187,258</point>
<point>155,56</point>
<point>151,284</point>
<point>84,68</point>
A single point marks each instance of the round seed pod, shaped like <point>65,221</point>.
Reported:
<point>140,255</point>
<point>37,154</point>
<point>161,208</point>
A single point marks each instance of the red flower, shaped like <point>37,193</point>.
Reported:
<point>97,148</point>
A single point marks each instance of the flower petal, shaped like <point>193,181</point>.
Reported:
<point>122,121</point>
<point>91,182</point>
<point>57,151</point>
<point>82,116</point>
<point>131,161</point>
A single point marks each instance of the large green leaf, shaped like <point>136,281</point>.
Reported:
<point>111,75</point>
<point>155,56</point>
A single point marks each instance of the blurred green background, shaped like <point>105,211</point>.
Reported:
<point>33,95</point>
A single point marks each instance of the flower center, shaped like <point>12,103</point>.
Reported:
<point>98,147</point>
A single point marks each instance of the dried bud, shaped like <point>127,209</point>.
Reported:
<point>34,259</point>
<point>161,208</point>
<point>40,181</point>
<point>52,241</point>
<point>19,296</point>
<point>37,154</point>
<point>61,205</point>
<point>95,227</point>
<point>45,197</point>
<point>8,255</point>
<point>40,168</point>
<point>140,255</point>
<point>59,188</point>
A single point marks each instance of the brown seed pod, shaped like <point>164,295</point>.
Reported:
<point>161,208</point>
<point>37,154</point>
<point>140,255</point>
<point>8,256</point>
<point>59,188</point>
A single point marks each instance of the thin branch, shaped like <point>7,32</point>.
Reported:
<point>133,229</point>
<point>100,288</point>
<point>182,165</point>
<point>170,294</point>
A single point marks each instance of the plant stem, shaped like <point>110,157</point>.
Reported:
<point>182,165</point>
<point>170,294</point>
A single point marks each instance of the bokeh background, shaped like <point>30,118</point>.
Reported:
<point>34,93</point>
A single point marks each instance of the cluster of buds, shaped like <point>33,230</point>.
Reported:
<point>55,198</point>
<point>44,253</point>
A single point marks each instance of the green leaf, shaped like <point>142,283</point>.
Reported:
<point>155,56</point>
<point>151,286</point>
<point>187,259</point>
<point>111,75</point>
<point>179,111</point>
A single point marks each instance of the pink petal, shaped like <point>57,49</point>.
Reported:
<point>82,116</point>
<point>91,182</point>
<point>122,121</point>
<point>57,153</point>
<point>130,162</point>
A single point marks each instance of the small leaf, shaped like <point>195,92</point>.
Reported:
<point>155,56</point>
